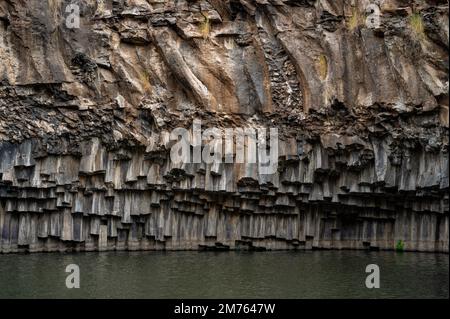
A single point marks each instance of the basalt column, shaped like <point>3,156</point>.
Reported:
<point>87,110</point>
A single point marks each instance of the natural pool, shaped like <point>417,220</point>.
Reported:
<point>275,274</point>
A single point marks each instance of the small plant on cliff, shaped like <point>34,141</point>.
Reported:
<point>400,246</point>
<point>205,27</point>
<point>144,79</point>
<point>322,66</point>
<point>416,24</point>
<point>355,20</point>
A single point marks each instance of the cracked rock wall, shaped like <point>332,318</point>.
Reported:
<point>85,115</point>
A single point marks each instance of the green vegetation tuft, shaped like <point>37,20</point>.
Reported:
<point>416,24</point>
<point>356,19</point>
<point>400,246</point>
<point>322,66</point>
<point>205,27</point>
<point>144,79</point>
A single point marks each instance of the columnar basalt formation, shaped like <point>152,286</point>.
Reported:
<point>86,114</point>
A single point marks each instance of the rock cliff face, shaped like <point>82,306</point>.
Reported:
<point>86,112</point>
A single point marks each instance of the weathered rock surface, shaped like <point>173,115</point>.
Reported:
<point>85,115</point>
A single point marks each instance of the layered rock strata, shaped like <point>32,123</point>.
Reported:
<point>86,115</point>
